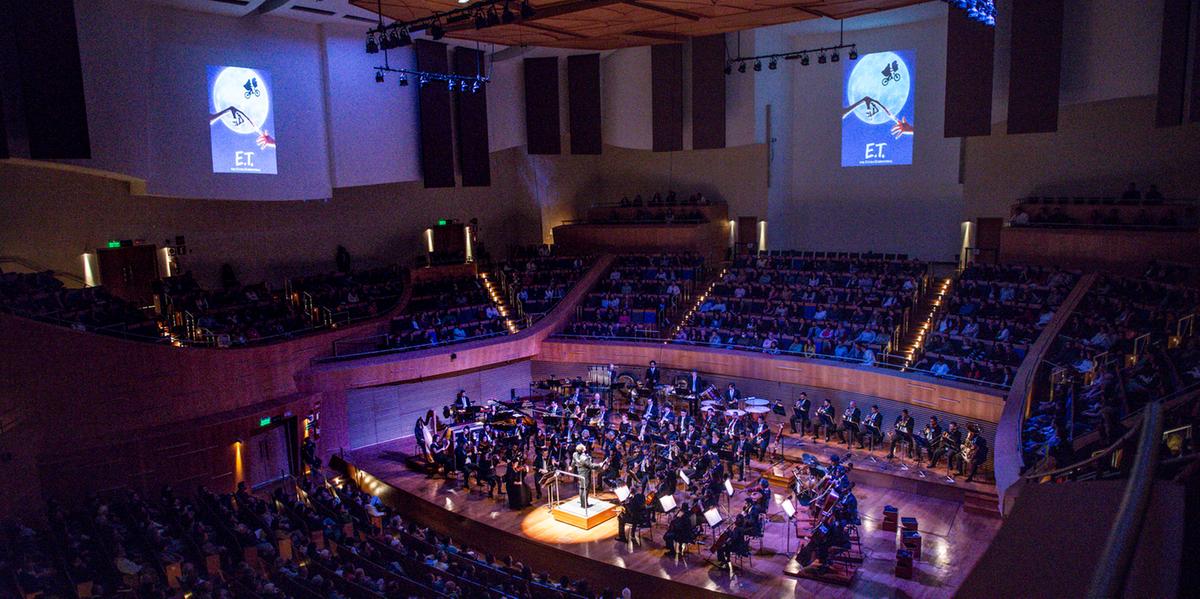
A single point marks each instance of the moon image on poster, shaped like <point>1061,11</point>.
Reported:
<point>884,77</point>
<point>245,90</point>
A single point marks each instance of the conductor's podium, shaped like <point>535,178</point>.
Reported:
<point>570,512</point>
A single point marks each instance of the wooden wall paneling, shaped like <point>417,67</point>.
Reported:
<point>976,403</point>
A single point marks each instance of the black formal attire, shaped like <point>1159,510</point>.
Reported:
<point>800,416</point>
<point>980,459</point>
<point>873,427</point>
<point>904,432</point>
<point>850,426</point>
<point>950,446</point>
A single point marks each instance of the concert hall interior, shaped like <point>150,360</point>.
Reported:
<point>599,299</point>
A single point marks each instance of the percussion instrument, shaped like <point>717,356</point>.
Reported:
<point>735,412</point>
<point>710,394</point>
<point>708,408</point>
<point>708,403</point>
<point>757,409</point>
<point>755,401</point>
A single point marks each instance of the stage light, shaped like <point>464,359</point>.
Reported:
<point>803,60</point>
<point>475,86</point>
<point>772,65</point>
<point>372,46</point>
<point>527,11</point>
<point>403,81</point>
<point>821,59</point>
<point>742,68</point>
<point>403,38</point>
<point>436,32</point>
<point>757,66</point>
<point>450,85</point>
<point>853,53</point>
<point>378,76</point>
<point>835,57</point>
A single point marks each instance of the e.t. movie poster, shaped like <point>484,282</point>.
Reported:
<point>878,108</point>
<point>241,120</point>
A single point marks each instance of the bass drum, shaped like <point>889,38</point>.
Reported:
<point>624,388</point>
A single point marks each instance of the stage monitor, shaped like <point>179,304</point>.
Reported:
<point>878,107</point>
<point>241,121</point>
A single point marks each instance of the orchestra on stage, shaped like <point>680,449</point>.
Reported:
<point>672,451</point>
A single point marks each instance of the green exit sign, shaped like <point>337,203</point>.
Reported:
<point>264,421</point>
<point>441,222</point>
<point>112,243</point>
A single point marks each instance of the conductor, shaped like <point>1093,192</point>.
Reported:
<point>584,467</point>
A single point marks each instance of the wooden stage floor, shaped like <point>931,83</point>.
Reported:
<point>953,539</point>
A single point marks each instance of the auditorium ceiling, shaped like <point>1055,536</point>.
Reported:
<point>608,24</point>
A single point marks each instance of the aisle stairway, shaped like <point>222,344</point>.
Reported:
<point>498,299</point>
<point>925,316</point>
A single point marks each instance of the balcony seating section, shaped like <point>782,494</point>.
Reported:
<point>635,295</point>
<point>43,297</point>
<point>825,304</point>
<point>540,282</point>
<point>1109,368</point>
<point>444,312</point>
<point>991,317</point>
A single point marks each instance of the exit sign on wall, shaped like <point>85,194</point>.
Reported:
<point>264,421</point>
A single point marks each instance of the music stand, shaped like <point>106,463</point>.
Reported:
<point>728,493</point>
<point>713,518</point>
<point>622,493</point>
<point>667,502</point>
<point>790,511</point>
<point>684,476</point>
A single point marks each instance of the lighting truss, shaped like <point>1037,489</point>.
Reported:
<point>828,53</point>
<point>983,11</point>
<point>463,83</point>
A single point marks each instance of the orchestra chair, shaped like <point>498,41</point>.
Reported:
<point>741,559</point>
<point>760,529</point>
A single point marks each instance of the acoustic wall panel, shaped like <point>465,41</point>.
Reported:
<point>542,132</point>
<point>433,102</point>
<point>51,78</point>
<point>583,102</point>
<point>666,95</point>
<point>1036,66</point>
<point>708,92</point>
<point>471,107</point>
<point>1172,63</point>
<point>969,64</point>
